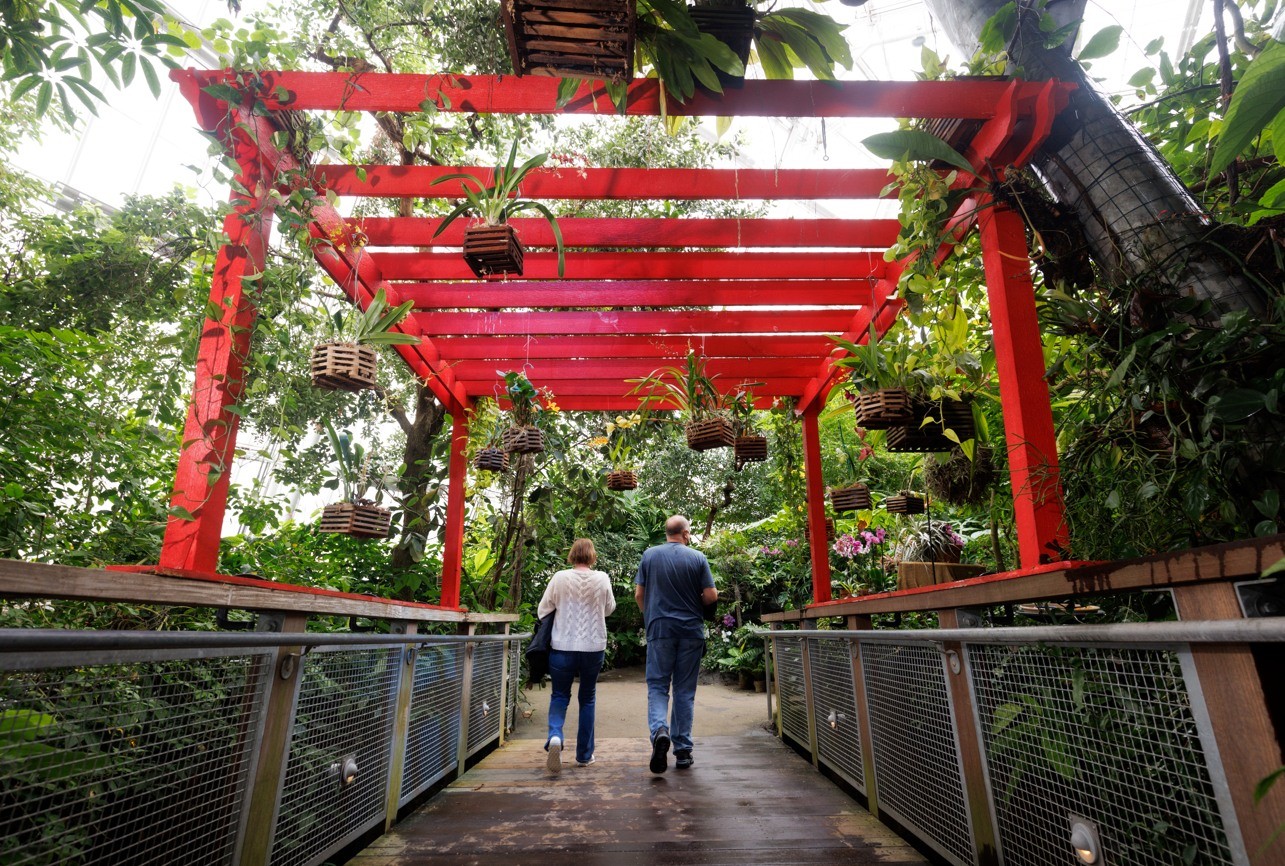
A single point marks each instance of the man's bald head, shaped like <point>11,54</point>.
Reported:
<point>676,526</point>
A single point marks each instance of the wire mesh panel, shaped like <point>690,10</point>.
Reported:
<point>434,733</point>
<point>485,716</point>
<point>838,734</point>
<point>915,751</point>
<point>1105,734</point>
<point>515,684</point>
<point>790,685</point>
<point>129,762</point>
<point>344,713</point>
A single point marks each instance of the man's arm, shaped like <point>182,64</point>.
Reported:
<point>709,594</point>
<point>638,595</point>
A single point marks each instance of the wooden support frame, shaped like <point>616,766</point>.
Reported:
<point>818,545</point>
<point>453,543</point>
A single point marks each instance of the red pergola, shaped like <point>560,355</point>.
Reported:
<point>570,335</point>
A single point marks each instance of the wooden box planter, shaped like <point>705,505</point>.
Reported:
<point>884,408</point>
<point>344,366</point>
<point>954,415</point>
<point>854,497</point>
<point>749,449</point>
<point>359,520</point>
<point>904,503</point>
<point>491,460</point>
<point>830,533</point>
<point>710,433</point>
<point>733,25</point>
<point>492,250</point>
<point>913,574</point>
<point>571,38</point>
<point>523,440</point>
<point>621,480</point>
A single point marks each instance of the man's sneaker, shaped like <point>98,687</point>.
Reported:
<point>682,758</point>
<point>591,760</point>
<point>554,762</point>
<point>660,751</point>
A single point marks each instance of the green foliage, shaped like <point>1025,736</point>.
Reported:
<point>1258,100</point>
<point>373,325</point>
<point>906,145</point>
<point>687,388</point>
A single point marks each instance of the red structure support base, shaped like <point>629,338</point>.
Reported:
<point>818,544</point>
<point>453,542</point>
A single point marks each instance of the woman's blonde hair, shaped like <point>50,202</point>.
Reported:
<point>582,552</point>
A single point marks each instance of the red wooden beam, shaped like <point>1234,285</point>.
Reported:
<point>599,184</point>
<point>619,369</point>
<point>818,544</point>
<point>487,94</point>
<point>453,532</point>
<point>564,388</point>
<point>635,322</point>
<point>647,266</point>
<point>637,293</point>
<point>660,232</point>
<point>518,350</point>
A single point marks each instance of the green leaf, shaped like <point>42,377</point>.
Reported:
<point>917,145</point>
<point>1005,715</point>
<point>1238,404</point>
<point>181,513</point>
<point>1103,43</point>
<point>22,724</point>
<point>1275,568</point>
<point>1058,754</point>
<point>1258,99</point>
<point>1142,77</point>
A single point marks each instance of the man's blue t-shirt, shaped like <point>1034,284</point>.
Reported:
<point>672,576</point>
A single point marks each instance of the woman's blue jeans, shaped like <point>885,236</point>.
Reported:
<point>564,667</point>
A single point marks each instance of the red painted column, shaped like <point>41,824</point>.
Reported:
<point>819,545</point>
<point>453,541</point>
<point>209,436</point>
<point>1024,395</point>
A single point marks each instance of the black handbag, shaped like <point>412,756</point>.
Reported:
<point>537,651</point>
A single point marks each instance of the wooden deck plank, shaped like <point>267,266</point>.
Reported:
<point>749,801</point>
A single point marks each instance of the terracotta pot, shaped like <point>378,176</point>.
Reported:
<point>571,40</point>
<point>360,520</point>
<point>913,574</point>
<point>343,366</point>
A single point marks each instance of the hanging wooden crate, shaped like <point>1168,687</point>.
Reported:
<point>710,433</point>
<point>956,415</point>
<point>749,449</point>
<point>491,460</point>
<point>830,533</point>
<point>490,250</point>
<point>884,408</point>
<point>913,574</point>
<point>904,503</point>
<point>621,480</point>
<point>523,440</point>
<point>731,24</point>
<point>344,366</point>
<point>572,38</point>
<point>854,497</point>
<point>360,520</point>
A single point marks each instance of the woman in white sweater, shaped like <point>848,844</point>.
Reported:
<point>583,599</point>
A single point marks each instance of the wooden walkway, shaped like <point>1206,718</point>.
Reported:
<point>748,801</point>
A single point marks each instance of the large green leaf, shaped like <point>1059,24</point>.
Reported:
<point>1258,99</point>
<point>915,144</point>
<point>1103,43</point>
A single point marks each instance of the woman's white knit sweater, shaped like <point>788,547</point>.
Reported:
<point>583,599</point>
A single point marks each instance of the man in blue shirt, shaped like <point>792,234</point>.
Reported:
<point>673,584</point>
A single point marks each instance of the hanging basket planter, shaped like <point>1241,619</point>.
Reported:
<point>710,433</point>
<point>358,519</point>
<point>904,503</point>
<point>571,39</point>
<point>491,460</point>
<point>830,533</point>
<point>961,481</point>
<point>621,480</point>
<point>344,366</point>
<point>956,415</point>
<point>749,449</point>
<point>854,497</point>
<point>523,440</point>
<point>491,250</point>
<point>884,408</point>
<point>733,25</point>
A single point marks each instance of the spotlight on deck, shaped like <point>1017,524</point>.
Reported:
<point>1085,841</point>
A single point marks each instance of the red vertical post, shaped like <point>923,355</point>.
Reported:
<point>453,541</point>
<point>1024,395</point>
<point>209,436</point>
<point>818,544</point>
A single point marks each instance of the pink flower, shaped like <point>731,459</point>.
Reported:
<point>865,453</point>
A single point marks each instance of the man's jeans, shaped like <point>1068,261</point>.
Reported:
<point>676,660</point>
<point>563,668</point>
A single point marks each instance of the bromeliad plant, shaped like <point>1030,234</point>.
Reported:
<point>493,247</point>
<point>348,361</point>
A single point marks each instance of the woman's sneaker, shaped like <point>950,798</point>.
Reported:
<point>554,762</point>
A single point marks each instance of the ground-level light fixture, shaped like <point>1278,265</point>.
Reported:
<point>1085,841</point>
<point>345,770</point>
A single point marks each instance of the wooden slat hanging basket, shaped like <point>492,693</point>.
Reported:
<point>749,449</point>
<point>523,440</point>
<point>571,38</point>
<point>956,415</point>
<point>621,480</point>
<point>904,503</point>
<point>344,366</point>
<point>360,520</point>
<point>883,408</point>
<point>854,497</point>
<point>710,433</point>
<point>491,460</point>
<point>493,250</point>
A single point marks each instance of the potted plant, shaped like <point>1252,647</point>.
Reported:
<point>859,560</point>
<point>748,447</point>
<point>782,39</point>
<point>940,425</point>
<point>697,399</point>
<point>524,437</point>
<point>492,246</point>
<point>881,377</point>
<point>491,459</point>
<point>964,477</point>
<point>929,552</point>
<point>357,515</point>
<point>854,496</point>
<point>904,502</point>
<point>571,40</point>
<point>349,362</point>
<point>622,436</point>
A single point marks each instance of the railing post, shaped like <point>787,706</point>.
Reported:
<point>259,819</point>
<point>773,683</point>
<point>504,688</point>
<point>466,698</point>
<point>1247,742</point>
<point>971,754</point>
<point>805,652</point>
<point>862,623</point>
<point>401,723</point>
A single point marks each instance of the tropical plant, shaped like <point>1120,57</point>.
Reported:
<point>523,397</point>
<point>890,362</point>
<point>495,201</point>
<point>687,388</point>
<point>677,52</point>
<point>623,436</point>
<point>352,477</point>
<point>859,557</point>
<point>741,407</point>
<point>373,326</point>
<point>929,541</point>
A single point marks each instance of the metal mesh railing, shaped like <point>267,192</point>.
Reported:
<point>485,715</point>
<point>838,731</point>
<point>136,758</point>
<point>515,686</point>
<point>791,688</point>
<point>1103,733</point>
<point>345,711</point>
<point>434,732</point>
<point>916,754</point>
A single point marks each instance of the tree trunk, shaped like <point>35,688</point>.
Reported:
<point>419,484</point>
<point>1140,221</point>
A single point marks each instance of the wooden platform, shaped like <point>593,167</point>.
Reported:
<point>748,801</point>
